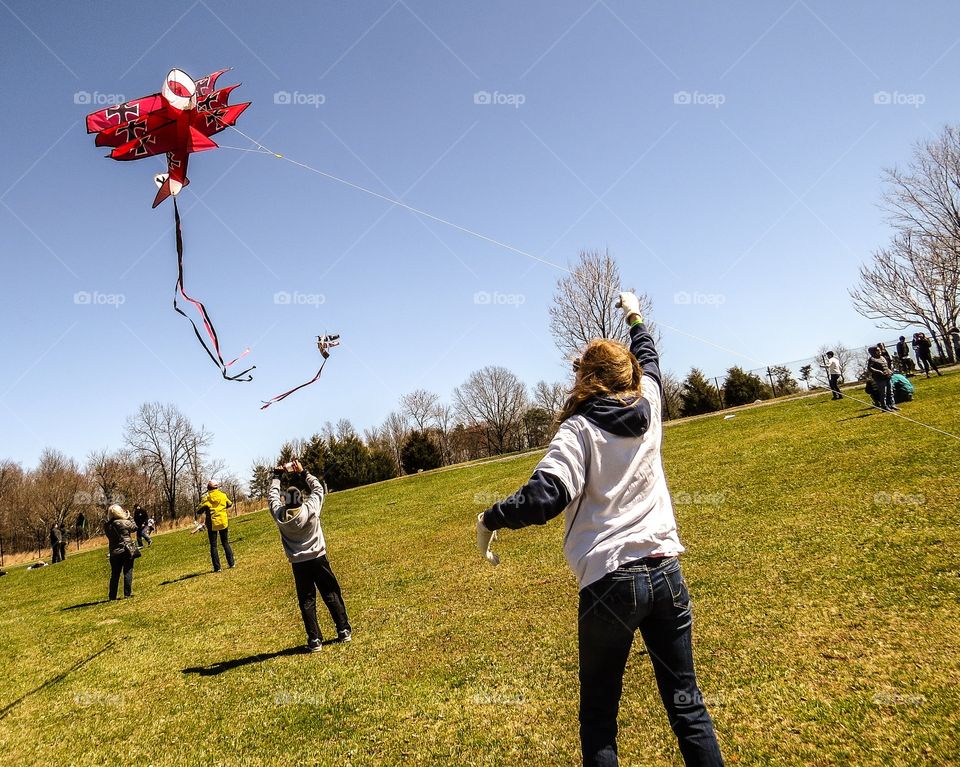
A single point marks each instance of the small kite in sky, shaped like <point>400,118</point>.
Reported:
<point>324,344</point>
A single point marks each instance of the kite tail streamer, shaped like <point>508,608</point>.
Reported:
<point>207,322</point>
<point>286,394</point>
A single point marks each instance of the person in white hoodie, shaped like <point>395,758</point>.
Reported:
<point>298,519</point>
<point>604,472</point>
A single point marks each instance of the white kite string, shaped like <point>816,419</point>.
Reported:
<point>399,203</point>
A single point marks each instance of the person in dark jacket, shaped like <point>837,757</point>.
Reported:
<point>904,363</point>
<point>880,373</point>
<point>140,518</point>
<point>924,357</point>
<point>118,529</point>
<point>58,544</point>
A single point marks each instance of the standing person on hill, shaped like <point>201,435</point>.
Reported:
<point>603,469</point>
<point>58,545</point>
<point>955,340</point>
<point>122,549</point>
<point>880,374</point>
<point>214,506</point>
<point>833,374</point>
<point>904,363</point>
<point>140,518</point>
<point>80,528</point>
<point>924,357</point>
<point>298,519</point>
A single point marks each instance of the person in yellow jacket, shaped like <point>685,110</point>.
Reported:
<point>214,505</point>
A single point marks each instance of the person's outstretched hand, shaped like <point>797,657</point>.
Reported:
<point>630,305</point>
<point>484,539</point>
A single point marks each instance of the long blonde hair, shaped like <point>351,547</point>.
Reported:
<point>605,369</point>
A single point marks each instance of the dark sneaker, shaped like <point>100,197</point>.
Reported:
<point>344,636</point>
<point>314,646</point>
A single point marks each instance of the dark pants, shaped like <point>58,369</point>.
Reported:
<point>926,362</point>
<point>140,536</point>
<point>55,553</point>
<point>121,563</point>
<point>313,576</point>
<point>835,386</point>
<point>655,600</point>
<point>214,553</point>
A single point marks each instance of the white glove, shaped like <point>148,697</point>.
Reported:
<point>630,305</point>
<point>484,539</point>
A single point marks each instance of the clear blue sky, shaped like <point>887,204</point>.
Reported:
<point>767,200</point>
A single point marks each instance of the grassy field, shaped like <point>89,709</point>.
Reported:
<point>822,558</point>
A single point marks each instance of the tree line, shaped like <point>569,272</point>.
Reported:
<point>164,466</point>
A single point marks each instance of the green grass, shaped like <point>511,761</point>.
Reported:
<point>827,624</point>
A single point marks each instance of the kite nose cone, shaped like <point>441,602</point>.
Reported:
<point>179,90</point>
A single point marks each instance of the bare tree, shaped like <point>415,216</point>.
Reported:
<point>584,304</point>
<point>550,396</point>
<point>419,406</point>
<point>11,478</point>
<point>202,468</point>
<point>444,419</point>
<point>393,433</point>
<point>915,280</point>
<point>495,399</point>
<point>162,437</point>
<point>58,487</point>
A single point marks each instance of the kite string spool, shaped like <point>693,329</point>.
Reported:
<point>518,251</point>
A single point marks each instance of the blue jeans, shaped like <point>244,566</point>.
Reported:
<point>650,596</point>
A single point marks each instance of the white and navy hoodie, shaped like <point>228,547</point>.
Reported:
<point>603,469</point>
<point>300,529</point>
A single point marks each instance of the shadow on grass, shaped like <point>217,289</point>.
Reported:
<point>87,604</point>
<point>56,678</point>
<point>226,665</point>
<point>869,412</point>
<point>183,578</point>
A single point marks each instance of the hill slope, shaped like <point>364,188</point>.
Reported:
<point>822,558</point>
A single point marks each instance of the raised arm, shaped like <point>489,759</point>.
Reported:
<point>314,485</point>
<point>273,496</point>
<point>641,342</point>
<point>557,480</point>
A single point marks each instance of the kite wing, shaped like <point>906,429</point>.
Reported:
<point>114,115</point>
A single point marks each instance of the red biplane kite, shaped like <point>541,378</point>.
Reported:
<point>177,121</point>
